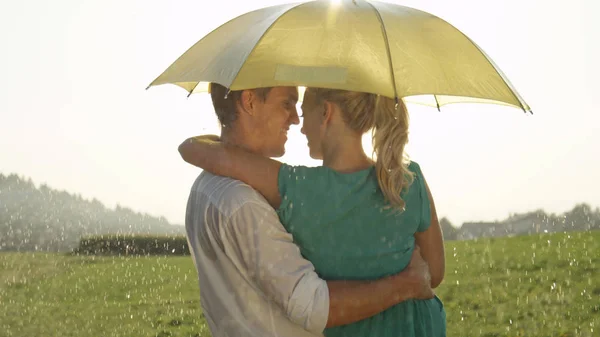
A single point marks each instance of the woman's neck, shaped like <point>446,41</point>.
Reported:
<point>346,155</point>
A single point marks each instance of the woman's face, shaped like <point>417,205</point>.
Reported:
<point>312,123</point>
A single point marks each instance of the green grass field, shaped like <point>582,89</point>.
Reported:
<point>547,285</point>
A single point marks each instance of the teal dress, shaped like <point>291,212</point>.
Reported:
<point>341,224</point>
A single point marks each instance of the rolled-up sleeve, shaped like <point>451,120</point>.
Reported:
<point>274,263</point>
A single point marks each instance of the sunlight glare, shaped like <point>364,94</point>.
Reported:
<point>301,91</point>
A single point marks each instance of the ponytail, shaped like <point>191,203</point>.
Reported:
<point>390,136</point>
<point>364,111</point>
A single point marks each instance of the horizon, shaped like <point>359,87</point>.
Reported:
<point>38,186</point>
<point>77,116</point>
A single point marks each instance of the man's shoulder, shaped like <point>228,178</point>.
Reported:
<point>227,194</point>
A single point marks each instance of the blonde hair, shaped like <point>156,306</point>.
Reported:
<point>389,121</point>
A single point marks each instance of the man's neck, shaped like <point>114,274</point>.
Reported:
<point>239,138</point>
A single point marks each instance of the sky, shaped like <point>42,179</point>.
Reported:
<point>75,115</point>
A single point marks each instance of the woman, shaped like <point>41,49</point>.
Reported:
<point>352,218</point>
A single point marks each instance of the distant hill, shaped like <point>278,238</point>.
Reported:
<point>44,219</point>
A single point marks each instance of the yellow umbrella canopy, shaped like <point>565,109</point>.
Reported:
<point>365,46</point>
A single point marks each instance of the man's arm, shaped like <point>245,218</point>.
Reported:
<point>352,301</point>
<point>275,264</point>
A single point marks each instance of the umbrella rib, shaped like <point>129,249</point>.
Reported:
<point>526,108</point>
<point>437,102</point>
<point>191,91</point>
<point>258,42</point>
<point>387,48</point>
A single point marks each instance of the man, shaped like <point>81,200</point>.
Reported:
<point>253,279</point>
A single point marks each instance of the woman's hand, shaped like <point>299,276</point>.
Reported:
<point>205,138</point>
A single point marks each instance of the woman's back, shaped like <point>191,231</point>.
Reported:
<point>346,229</point>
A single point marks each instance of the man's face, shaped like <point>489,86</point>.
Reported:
<point>273,119</point>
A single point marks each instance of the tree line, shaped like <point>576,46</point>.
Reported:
<point>581,218</point>
<point>44,219</point>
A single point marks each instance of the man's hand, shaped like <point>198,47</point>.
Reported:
<point>352,301</point>
<point>418,277</point>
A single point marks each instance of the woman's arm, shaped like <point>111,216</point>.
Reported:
<point>431,243</point>
<point>208,153</point>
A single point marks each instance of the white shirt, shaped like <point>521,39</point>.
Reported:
<point>253,279</point>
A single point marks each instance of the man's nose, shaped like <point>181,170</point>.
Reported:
<point>294,119</point>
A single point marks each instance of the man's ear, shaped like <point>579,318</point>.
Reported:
<point>247,101</point>
<point>327,112</point>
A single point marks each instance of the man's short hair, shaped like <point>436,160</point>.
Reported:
<point>226,107</point>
